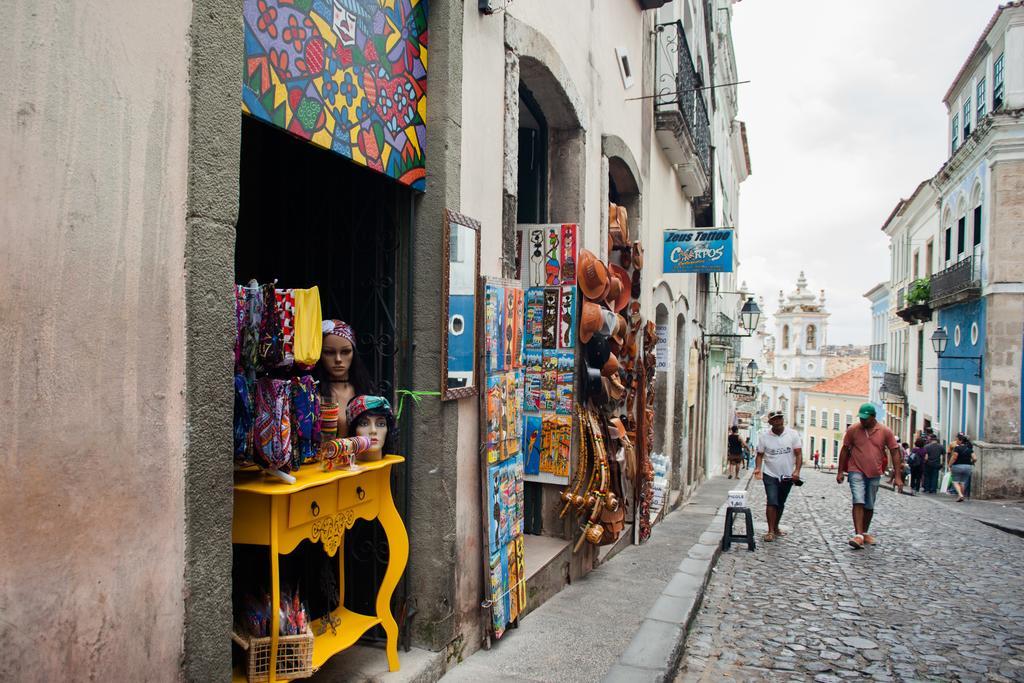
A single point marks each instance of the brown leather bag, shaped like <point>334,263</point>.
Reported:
<point>616,230</point>
<point>613,524</point>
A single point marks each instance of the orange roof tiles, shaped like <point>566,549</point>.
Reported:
<point>856,382</point>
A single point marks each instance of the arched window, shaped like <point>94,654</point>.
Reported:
<point>812,338</point>
<point>785,336</point>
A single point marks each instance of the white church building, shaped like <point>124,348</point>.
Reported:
<point>794,353</point>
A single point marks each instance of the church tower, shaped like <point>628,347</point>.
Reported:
<point>801,325</point>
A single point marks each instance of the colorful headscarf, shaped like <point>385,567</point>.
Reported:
<point>339,328</point>
<point>360,404</point>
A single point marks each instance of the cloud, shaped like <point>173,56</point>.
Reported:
<point>845,116</point>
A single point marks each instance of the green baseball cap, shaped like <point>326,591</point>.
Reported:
<point>866,410</point>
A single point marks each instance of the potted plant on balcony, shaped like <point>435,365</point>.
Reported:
<point>917,309</point>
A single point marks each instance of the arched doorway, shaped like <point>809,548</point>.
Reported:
<point>680,371</point>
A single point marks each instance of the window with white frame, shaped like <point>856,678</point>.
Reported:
<point>835,451</point>
<point>824,419</point>
<point>949,245</point>
<point>956,133</point>
<point>979,98</point>
<point>967,118</point>
<point>814,417</point>
<point>961,236</point>
<point>997,83</point>
<point>835,420</point>
<point>977,225</point>
<point>849,420</point>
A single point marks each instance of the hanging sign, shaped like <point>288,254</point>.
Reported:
<point>705,250</point>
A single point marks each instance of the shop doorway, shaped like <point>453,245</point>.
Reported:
<point>308,216</point>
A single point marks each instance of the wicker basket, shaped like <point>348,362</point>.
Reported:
<point>294,656</point>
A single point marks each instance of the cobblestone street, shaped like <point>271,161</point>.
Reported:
<point>939,598</point>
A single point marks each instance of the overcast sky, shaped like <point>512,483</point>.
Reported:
<point>844,117</point>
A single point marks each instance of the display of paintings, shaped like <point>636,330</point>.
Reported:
<point>503,333</point>
<point>347,75</point>
<point>547,268</point>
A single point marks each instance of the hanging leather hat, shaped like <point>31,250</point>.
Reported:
<point>638,255</point>
<point>597,351</point>
<point>614,291</point>
<point>619,333</point>
<point>620,275</point>
<point>624,223</point>
<point>590,320</point>
<point>611,366</point>
<point>592,275</point>
<point>634,289</point>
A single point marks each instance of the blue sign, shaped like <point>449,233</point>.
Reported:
<point>705,250</point>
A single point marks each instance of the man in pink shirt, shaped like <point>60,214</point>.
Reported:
<point>863,458</point>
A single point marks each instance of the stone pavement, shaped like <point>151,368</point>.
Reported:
<point>581,633</point>
<point>941,597</point>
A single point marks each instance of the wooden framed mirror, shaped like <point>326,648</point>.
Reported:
<point>458,333</point>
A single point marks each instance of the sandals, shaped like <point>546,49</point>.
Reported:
<point>768,537</point>
<point>857,542</point>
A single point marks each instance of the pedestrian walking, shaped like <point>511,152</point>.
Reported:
<point>916,460</point>
<point>779,458</point>
<point>932,464</point>
<point>863,460</point>
<point>961,464</point>
<point>817,459</point>
<point>736,446</point>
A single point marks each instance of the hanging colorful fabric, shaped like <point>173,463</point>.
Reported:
<point>241,313</point>
<point>308,326</point>
<point>286,312</point>
<point>243,420</point>
<point>271,339</point>
<point>251,333</point>
<point>305,420</point>
<point>272,427</point>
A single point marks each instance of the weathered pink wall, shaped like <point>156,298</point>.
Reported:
<point>93,138</point>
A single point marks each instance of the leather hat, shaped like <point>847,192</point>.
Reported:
<point>635,287</point>
<point>614,290</point>
<point>590,320</point>
<point>593,386</point>
<point>619,333</point>
<point>619,274</point>
<point>638,255</point>
<point>597,351</point>
<point>611,366</point>
<point>608,322</point>
<point>592,275</point>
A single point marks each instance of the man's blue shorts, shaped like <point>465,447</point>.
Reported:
<point>776,491</point>
<point>863,489</point>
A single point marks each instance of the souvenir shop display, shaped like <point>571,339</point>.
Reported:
<point>547,270</point>
<point>502,335</point>
<point>277,405</point>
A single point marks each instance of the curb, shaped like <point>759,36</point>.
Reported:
<point>656,650</point>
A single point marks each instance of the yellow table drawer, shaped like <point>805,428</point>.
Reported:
<point>357,491</point>
<point>306,506</point>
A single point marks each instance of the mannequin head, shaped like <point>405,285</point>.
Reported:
<point>371,416</point>
<point>340,361</point>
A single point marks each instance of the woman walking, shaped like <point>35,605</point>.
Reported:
<point>961,464</point>
<point>736,446</point>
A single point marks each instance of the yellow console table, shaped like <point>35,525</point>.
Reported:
<point>320,506</point>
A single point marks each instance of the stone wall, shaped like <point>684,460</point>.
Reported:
<point>94,134</point>
<point>999,470</point>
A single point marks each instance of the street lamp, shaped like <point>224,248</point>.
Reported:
<point>939,341</point>
<point>750,315</point>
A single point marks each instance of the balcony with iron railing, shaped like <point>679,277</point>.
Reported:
<point>959,283</point>
<point>877,352</point>
<point>682,125</point>
<point>892,384</point>
<point>722,324</point>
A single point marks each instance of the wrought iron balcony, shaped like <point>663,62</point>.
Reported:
<point>877,352</point>
<point>681,116</point>
<point>958,283</point>
<point>892,384</point>
<point>722,324</point>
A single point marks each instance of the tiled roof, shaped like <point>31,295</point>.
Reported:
<point>856,382</point>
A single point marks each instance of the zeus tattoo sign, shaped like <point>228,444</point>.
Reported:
<point>706,250</point>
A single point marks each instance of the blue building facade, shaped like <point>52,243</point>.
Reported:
<point>961,398</point>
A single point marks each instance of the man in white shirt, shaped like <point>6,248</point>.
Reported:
<point>779,458</point>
